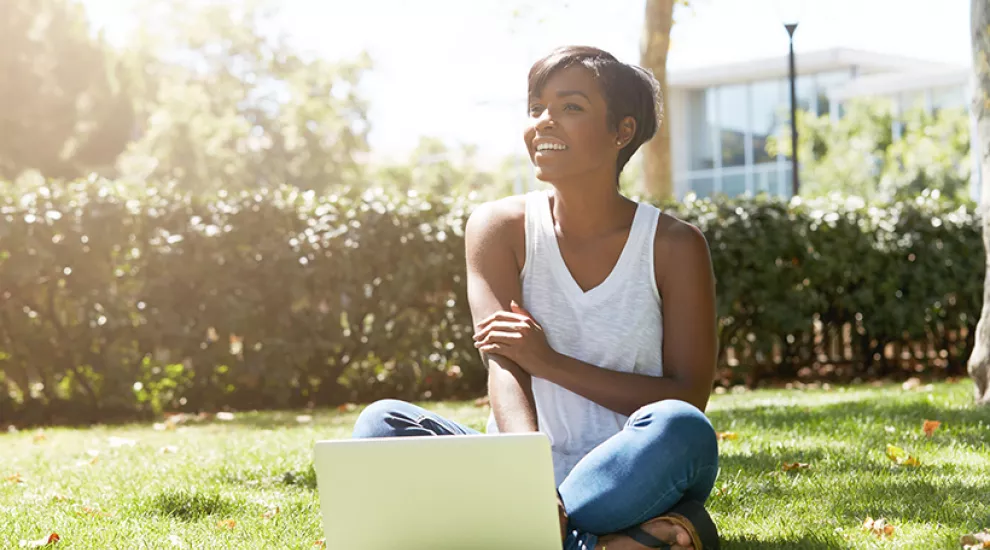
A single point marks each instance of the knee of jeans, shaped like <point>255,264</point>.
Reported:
<point>372,420</point>
<point>673,416</point>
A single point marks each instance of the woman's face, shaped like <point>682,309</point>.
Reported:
<point>568,133</point>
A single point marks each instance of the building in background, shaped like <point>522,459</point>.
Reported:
<point>724,114</point>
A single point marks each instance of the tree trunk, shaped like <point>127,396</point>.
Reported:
<point>656,44</point>
<point>979,361</point>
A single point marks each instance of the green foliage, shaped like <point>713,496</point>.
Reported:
<point>905,272</point>
<point>436,169</point>
<point>116,300</point>
<point>112,303</point>
<point>933,153</point>
<point>860,155</point>
<point>229,105</point>
<point>64,104</point>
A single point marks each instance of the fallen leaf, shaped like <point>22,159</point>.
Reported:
<point>976,541</point>
<point>304,419</point>
<point>226,524</point>
<point>94,456</point>
<point>271,513</point>
<point>39,436</point>
<point>788,466</point>
<point>14,478</point>
<point>44,541</point>
<point>168,449</point>
<point>225,416</point>
<point>930,426</point>
<point>87,511</point>
<point>322,543</point>
<point>115,442</point>
<point>879,527</point>
<point>722,436</point>
<point>911,383</point>
<point>911,461</point>
<point>179,418</point>
<point>901,457</point>
<point>236,344</point>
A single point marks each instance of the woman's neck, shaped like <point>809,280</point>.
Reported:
<point>588,211</point>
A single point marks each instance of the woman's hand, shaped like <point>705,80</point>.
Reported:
<point>515,335</point>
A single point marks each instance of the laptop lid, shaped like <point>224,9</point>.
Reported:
<point>474,492</point>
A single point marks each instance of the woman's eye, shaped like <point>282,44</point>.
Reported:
<point>572,107</point>
<point>535,110</point>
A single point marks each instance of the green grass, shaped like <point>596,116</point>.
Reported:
<point>240,469</point>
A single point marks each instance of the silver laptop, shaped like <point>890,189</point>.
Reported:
<point>466,492</point>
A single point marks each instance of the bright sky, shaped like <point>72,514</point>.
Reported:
<point>456,69</point>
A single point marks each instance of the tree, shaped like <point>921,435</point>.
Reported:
<point>860,155</point>
<point>656,45</point>
<point>230,103</point>
<point>979,360</point>
<point>434,169</point>
<point>64,105</point>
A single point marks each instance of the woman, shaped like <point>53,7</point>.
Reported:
<point>565,288</point>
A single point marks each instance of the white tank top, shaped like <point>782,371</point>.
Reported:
<point>617,325</point>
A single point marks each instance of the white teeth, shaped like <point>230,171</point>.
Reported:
<point>550,146</point>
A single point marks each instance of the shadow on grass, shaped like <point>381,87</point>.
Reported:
<point>801,543</point>
<point>190,505</point>
<point>305,479</point>
<point>301,476</point>
<point>916,499</point>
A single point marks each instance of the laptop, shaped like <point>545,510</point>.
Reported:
<point>464,492</point>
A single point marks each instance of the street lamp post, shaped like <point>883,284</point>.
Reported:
<point>795,181</point>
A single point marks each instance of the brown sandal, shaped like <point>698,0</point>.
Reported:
<point>689,514</point>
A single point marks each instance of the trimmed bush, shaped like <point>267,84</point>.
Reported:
<point>116,302</point>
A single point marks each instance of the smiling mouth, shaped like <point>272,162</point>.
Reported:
<point>547,147</point>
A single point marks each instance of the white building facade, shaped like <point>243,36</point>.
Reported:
<point>721,117</point>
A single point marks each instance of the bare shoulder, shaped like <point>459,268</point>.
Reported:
<point>674,234</point>
<point>499,215</point>
<point>498,224</point>
<point>680,246</point>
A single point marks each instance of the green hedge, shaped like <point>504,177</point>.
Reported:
<point>116,302</point>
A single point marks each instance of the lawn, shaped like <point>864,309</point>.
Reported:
<point>247,482</point>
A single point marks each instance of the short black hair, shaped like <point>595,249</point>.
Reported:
<point>629,90</point>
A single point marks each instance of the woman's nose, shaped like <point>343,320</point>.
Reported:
<point>544,120</point>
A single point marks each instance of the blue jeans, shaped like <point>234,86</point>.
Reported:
<point>667,451</point>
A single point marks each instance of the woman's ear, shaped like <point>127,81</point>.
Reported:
<point>626,131</point>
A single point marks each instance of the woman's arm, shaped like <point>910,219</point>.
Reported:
<point>690,346</point>
<point>492,284</point>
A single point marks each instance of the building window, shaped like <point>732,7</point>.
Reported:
<point>701,117</point>
<point>948,98</point>
<point>768,116</point>
<point>732,115</point>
